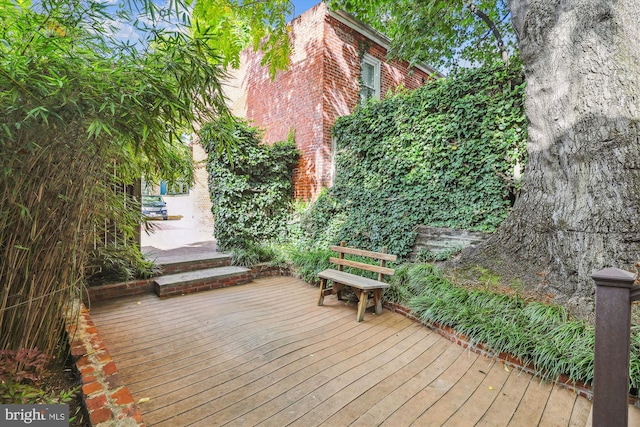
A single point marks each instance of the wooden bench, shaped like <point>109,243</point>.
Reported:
<point>361,286</point>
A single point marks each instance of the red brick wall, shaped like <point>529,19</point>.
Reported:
<point>321,84</point>
<point>344,48</point>
<point>293,101</point>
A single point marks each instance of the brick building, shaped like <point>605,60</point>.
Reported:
<point>336,63</point>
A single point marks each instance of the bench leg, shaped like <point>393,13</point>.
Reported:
<point>377,300</point>
<point>337,289</point>
<point>362,304</point>
<point>323,285</point>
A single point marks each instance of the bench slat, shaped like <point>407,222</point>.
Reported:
<point>363,266</point>
<point>362,252</point>
<point>353,280</point>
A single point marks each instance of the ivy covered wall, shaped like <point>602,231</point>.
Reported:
<point>447,154</point>
<point>250,186</point>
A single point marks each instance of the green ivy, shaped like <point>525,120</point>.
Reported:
<point>250,186</point>
<point>442,155</point>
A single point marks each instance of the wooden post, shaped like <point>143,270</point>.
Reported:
<point>382,264</point>
<point>338,289</point>
<point>341,256</point>
<point>614,293</point>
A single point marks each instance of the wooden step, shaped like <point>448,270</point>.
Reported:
<point>200,280</point>
<point>194,261</point>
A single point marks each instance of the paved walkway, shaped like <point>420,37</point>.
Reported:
<point>194,226</point>
<point>265,354</point>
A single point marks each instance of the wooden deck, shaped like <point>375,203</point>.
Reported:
<point>265,354</point>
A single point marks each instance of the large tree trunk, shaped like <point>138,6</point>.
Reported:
<point>578,211</point>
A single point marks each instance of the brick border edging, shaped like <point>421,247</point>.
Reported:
<point>116,290</point>
<point>479,348</point>
<point>106,398</point>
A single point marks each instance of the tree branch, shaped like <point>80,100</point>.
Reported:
<point>494,30</point>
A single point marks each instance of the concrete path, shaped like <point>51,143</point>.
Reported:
<point>194,227</point>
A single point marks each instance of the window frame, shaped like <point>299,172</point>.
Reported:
<point>376,64</point>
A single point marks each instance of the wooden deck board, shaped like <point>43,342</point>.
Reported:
<point>493,379</point>
<point>396,373</point>
<point>532,404</point>
<point>204,341</point>
<point>365,372</point>
<point>265,354</point>
<point>434,360</point>
<point>193,364</point>
<point>314,377</point>
<point>555,411</point>
<point>431,391</point>
<point>580,413</point>
<point>506,403</point>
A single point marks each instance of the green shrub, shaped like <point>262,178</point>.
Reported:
<point>259,253</point>
<point>118,263</point>
<point>307,263</point>
<point>250,187</point>
<point>321,221</point>
<point>534,332</point>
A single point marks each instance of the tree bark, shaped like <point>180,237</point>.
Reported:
<point>578,211</point>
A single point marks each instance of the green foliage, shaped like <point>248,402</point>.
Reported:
<point>254,254</point>
<point>443,155</point>
<point>440,32</point>
<point>244,257</point>
<point>81,114</point>
<point>251,188</point>
<point>231,26</point>
<point>534,332</point>
<point>321,221</point>
<point>307,263</point>
<point>18,393</point>
<point>634,363</point>
<point>118,263</point>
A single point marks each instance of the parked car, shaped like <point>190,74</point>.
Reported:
<point>154,207</point>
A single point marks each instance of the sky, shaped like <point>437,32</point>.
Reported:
<point>302,6</point>
<point>126,31</point>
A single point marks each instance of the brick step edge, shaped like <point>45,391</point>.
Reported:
<point>184,266</point>
<point>234,279</point>
<point>106,398</point>
<point>203,284</point>
<point>138,287</point>
<point>116,290</point>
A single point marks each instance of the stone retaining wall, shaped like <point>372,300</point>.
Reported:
<point>438,239</point>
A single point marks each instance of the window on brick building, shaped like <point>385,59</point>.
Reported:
<point>369,78</point>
